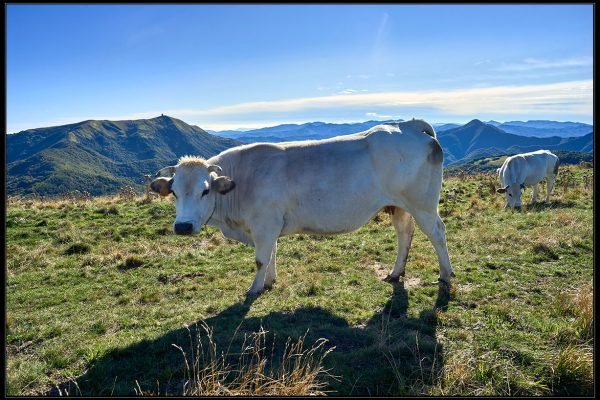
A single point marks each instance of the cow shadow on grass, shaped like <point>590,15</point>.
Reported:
<point>392,354</point>
<point>554,204</point>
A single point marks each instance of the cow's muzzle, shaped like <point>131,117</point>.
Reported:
<point>183,228</point>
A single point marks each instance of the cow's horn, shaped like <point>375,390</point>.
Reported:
<point>166,171</point>
<point>214,168</point>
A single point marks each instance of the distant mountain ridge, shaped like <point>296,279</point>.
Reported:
<point>460,142</point>
<point>100,156</point>
<point>478,139</point>
<point>539,128</point>
<point>323,130</point>
<point>291,132</point>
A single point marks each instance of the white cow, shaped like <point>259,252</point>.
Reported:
<point>258,192</point>
<point>527,169</point>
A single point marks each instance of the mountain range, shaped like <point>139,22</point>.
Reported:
<point>291,132</point>
<point>102,156</point>
<point>538,128</point>
<point>478,139</point>
<point>323,130</point>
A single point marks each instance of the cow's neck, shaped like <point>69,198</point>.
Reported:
<point>226,211</point>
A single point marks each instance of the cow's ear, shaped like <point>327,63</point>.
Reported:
<point>502,190</point>
<point>223,184</point>
<point>162,186</point>
<point>166,171</point>
<point>214,168</point>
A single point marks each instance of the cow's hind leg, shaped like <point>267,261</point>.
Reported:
<point>432,225</point>
<point>549,187</point>
<point>271,273</point>
<point>405,226</point>
<point>264,243</point>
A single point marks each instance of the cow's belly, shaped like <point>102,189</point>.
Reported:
<point>332,218</point>
<point>533,179</point>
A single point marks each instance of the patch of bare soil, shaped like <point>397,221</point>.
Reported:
<point>176,278</point>
<point>382,270</point>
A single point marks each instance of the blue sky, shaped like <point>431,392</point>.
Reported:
<point>247,66</point>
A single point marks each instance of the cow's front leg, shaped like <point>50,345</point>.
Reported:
<point>264,244</point>
<point>535,193</point>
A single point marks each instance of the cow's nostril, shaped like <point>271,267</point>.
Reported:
<point>183,228</point>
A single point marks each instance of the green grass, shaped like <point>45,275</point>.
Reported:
<point>98,292</point>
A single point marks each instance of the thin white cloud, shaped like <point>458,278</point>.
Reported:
<point>249,124</point>
<point>529,64</point>
<point>378,49</point>
<point>565,97</point>
<point>379,116</point>
<point>555,99</point>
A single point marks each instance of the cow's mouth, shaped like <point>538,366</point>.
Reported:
<point>183,228</point>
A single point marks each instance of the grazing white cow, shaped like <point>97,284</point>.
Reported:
<point>258,192</point>
<point>527,169</point>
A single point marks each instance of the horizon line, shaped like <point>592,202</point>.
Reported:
<point>241,128</point>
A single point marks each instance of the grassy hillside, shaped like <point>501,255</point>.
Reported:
<point>98,292</point>
<point>101,156</point>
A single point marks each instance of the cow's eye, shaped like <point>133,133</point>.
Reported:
<point>510,195</point>
<point>204,193</point>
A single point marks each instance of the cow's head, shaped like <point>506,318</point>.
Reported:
<point>194,184</point>
<point>512,193</point>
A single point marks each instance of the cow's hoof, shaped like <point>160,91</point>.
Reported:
<point>390,278</point>
<point>269,286</point>
<point>452,274</point>
<point>251,292</point>
<point>443,282</point>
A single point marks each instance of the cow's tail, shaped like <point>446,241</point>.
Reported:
<point>422,126</point>
<point>556,164</point>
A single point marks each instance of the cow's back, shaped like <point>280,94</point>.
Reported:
<point>334,185</point>
<point>529,168</point>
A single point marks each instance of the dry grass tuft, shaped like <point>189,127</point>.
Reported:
<point>574,367</point>
<point>583,302</point>
<point>579,304</point>
<point>457,374</point>
<point>299,372</point>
